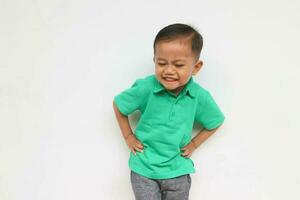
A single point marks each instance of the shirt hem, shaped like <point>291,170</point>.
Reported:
<point>171,174</point>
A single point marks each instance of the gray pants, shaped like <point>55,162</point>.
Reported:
<point>160,189</point>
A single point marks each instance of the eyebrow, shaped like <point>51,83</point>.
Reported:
<point>174,60</point>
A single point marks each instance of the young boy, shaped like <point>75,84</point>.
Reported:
<point>170,102</point>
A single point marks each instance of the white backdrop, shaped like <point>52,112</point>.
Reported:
<point>63,61</point>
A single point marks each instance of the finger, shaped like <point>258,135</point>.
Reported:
<point>139,145</point>
<point>133,151</point>
<point>187,155</point>
<point>139,149</point>
<point>187,152</point>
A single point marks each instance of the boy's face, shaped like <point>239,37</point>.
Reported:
<point>175,63</point>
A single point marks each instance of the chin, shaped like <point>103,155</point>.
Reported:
<point>171,88</point>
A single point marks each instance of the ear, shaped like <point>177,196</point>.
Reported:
<point>197,67</point>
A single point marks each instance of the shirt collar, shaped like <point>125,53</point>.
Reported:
<point>188,89</point>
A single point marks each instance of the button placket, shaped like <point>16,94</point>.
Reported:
<point>172,111</point>
<point>173,108</point>
<point>174,100</point>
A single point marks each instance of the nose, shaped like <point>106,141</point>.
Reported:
<point>169,69</point>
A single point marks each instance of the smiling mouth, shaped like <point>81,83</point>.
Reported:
<point>169,79</point>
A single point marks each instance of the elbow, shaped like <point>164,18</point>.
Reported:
<point>116,109</point>
<point>114,106</point>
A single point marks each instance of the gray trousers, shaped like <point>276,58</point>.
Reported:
<point>160,189</point>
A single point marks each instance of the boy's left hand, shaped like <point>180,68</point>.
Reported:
<point>188,149</point>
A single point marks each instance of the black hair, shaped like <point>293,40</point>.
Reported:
<point>178,30</point>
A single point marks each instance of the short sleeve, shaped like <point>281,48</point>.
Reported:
<point>130,99</point>
<point>208,114</point>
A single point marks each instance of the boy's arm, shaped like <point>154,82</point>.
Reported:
<point>132,142</point>
<point>202,136</point>
<point>196,141</point>
<point>123,122</point>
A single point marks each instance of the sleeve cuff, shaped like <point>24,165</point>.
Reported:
<point>214,124</point>
<point>119,106</point>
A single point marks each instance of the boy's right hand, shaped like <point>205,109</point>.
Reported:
<point>134,144</point>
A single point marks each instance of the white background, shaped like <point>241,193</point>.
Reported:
<point>62,61</point>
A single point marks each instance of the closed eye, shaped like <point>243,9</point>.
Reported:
<point>175,65</point>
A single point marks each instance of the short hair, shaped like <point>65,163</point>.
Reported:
<point>178,30</point>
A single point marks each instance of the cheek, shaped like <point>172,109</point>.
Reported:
<point>185,74</point>
<point>158,70</point>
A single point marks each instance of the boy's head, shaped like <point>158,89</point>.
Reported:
<point>177,49</point>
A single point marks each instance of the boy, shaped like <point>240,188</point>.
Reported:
<point>169,102</point>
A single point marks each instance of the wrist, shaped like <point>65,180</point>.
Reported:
<point>194,143</point>
<point>126,137</point>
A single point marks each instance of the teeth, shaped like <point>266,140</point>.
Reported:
<point>169,79</point>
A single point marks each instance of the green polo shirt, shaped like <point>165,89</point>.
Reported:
<point>166,124</point>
